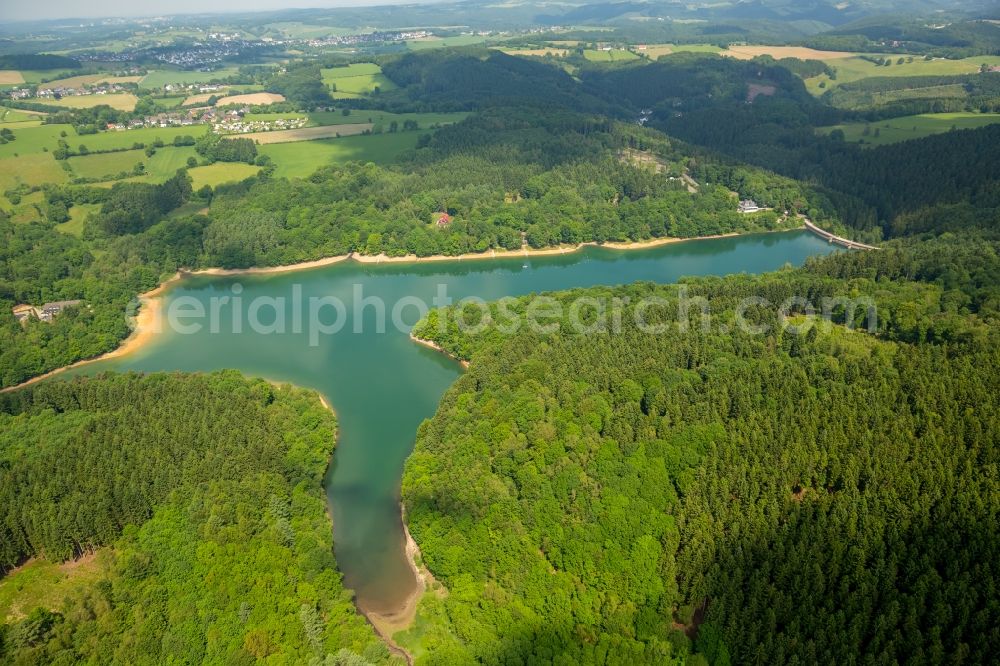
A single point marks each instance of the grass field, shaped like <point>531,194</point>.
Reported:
<point>105,165</point>
<point>439,42</point>
<point>47,136</point>
<point>356,80</point>
<point>614,55</point>
<point>911,127</point>
<point>162,165</point>
<point>78,214</point>
<point>298,160</point>
<point>169,102</point>
<point>856,68</point>
<point>120,101</point>
<point>145,135</point>
<point>41,583</point>
<point>32,140</point>
<point>35,169</point>
<point>221,172</point>
<point>30,209</point>
<point>16,116</point>
<point>161,77</point>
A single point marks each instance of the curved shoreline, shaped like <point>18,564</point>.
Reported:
<point>149,319</point>
<point>148,324</point>
<point>383,626</point>
<point>430,344</point>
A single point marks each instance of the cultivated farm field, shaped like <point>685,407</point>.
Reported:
<point>120,101</point>
<point>779,52</point>
<point>306,133</point>
<point>253,99</point>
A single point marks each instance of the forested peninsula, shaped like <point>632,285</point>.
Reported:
<point>205,492</point>
<point>798,496</point>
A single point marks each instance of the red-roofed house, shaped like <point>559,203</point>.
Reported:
<point>443,219</point>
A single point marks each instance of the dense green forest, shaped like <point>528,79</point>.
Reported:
<point>816,496</point>
<point>208,491</point>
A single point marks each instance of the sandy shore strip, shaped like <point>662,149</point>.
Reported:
<point>148,324</point>
<point>430,344</point>
<point>550,251</point>
<point>263,270</point>
<point>149,319</point>
<point>488,254</point>
<point>388,624</point>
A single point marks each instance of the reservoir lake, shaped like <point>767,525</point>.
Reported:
<point>382,385</point>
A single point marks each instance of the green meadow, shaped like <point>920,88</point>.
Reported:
<point>163,164</point>
<point>33,169</point>
<point>219,173</point>
<point>614,55</point>
<point>144,135</point>
<point>32,140</point>
<point>39,75</point>
<point>301,159</point>
<point>161,77</point>
<point>440,42</point>
<point>356,80</point>
<point>78,214</point>
<point>45,138</point>
<point>856,68</point>
<point>911,127</point>
<point>8,116</point>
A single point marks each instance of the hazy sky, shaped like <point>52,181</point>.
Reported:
<point>15,10</point>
